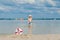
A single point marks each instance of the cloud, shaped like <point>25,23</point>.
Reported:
<point>24,10</point>
<point>51,2</point>
<point>5,9</point>
<point>24,1</point>
<point>2,8</point>
<point>42,0</point>
<point>30,1</point>
<point>58,11</point>
<point>28,8</point>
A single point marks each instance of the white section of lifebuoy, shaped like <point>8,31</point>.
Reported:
<point>18,31</point>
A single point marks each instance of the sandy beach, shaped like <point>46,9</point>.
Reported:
<point>31,37</point>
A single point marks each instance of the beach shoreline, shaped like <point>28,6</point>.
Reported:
<point>31,37</point>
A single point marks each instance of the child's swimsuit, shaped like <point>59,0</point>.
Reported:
<point>30,23</point>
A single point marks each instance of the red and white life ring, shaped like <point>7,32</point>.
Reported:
<point>18,31</point>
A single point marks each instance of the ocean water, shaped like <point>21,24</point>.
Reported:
<point>38,26</point>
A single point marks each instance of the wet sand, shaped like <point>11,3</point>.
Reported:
<point>31,37</point>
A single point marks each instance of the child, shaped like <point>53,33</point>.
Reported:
<point>29,24</point>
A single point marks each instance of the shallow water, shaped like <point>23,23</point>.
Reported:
<point>39,26</point>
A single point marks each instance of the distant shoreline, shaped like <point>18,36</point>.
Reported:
<point>33,19</point>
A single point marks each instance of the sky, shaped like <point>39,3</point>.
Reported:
<point>22,8</point>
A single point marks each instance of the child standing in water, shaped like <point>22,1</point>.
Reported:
<point>29,24</point>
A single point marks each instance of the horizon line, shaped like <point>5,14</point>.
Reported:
<point>32,19</point>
